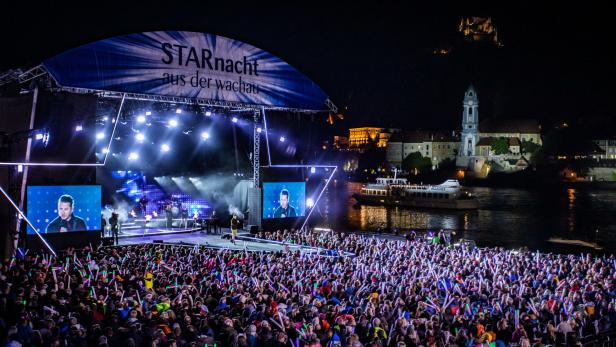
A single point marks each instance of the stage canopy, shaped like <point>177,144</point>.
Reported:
<point>188,65</point>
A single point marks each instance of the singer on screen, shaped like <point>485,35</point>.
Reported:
<point>284,210</point>
<point>66,220</point>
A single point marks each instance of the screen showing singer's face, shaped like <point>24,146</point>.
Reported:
<point>65,209</point>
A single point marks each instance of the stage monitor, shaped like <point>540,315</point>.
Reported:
<point>284,199</point>
<point>58,209</point>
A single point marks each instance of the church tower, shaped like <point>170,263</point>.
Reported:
<point>470,122</point>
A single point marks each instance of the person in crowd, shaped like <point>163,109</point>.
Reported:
<point>386,292</point>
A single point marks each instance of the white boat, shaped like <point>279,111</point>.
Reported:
<point>398,192</point>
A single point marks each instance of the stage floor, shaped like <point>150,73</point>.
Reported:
<point>184,236</point>
<point>141,232</point>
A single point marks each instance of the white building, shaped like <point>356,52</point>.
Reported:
<point>477,137</point>
<point>433,145</point>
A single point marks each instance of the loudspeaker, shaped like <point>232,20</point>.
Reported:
<point>254,229</point>
<point>157,241</point>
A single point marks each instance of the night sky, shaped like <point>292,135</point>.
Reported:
<point>557,63</point>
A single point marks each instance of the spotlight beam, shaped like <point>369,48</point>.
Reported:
<point>318,197</point>
<point>27,221</point>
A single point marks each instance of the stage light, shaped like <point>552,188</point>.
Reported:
<point>141,119</point>
<point>178,111</point>
<point>105,118</point>
<point>140,137</point>
<point>259,130</point>
<point>148,113</point>
<point>282,139</point>
<point>173,123</point>
<point>79,128</point>
<point>112,120</point>
<point>105,151</point>
<point>234,119</point>
<point>133,156</point>
<point>313,169</point>
<point>20,168</point>
<point>164,147</point>
<point>208,113</point>
<point>38,136</point>
<point>100,136</point>
<point>309,203</point>
<point>205,135</point>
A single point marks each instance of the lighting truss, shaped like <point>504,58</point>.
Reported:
<point>108,147</point>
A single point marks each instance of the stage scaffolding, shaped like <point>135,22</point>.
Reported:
<point>38,77</point>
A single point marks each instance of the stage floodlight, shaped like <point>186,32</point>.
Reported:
<point>178,111</point>
<point>173,123</point>
<point>309,202</point>
<point>79,128</point>
<point>148,113</point>
<point>234,119</point>
<point>105,118</point>
<point>282,139</point>
<point>20,168</point>
<point>140,137</point>
<point>164,148</point>
<point>259,130</point>
<point>38,136</point>
<point>105,151</point>
<point>133,156</point>
<point>112,120</point>
<point>208,113</point>
<point>205,135</point>
<point>313,170</point>
<point>141,119</point>
<point>100,135</point>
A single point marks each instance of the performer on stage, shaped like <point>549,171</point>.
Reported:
<point>235,223</point>
<point>195,218</point>
<point>169,215</point>
<point>143,203</point>
<point>115,226</point>
<point>214,222</point>
<point>184,216</point>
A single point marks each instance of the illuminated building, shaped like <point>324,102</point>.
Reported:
<point>608,147</point>
<point>361,137</point>
<point>479,29</point>
<point>434,145</point>
<point>477,138</point>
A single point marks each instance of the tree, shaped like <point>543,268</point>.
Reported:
<point>447,163</point>
<point>416,161</point>
<point>529,147</point>
<point>500,145</point>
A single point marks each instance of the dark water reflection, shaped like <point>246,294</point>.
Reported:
<point>507,217</point>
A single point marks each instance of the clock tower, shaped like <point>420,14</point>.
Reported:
<point>470,123</point>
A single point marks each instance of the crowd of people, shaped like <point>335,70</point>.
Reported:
<point>406,292</point>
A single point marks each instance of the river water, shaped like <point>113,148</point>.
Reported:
<point>510,218</point>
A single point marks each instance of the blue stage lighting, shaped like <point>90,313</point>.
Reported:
<point>164,147</point>
<point>141,119</point>
<point>173,123</point>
